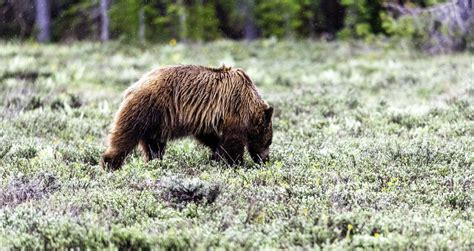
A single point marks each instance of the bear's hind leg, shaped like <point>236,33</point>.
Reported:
<point>112,161</point>
<point>121,144</point>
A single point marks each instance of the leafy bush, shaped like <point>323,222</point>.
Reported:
<point>362,19</point>
<point>277,18</point>
<point>182,192</point>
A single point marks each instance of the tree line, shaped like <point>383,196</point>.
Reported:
<point>198,20</point>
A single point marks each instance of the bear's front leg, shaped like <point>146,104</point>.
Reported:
<point>210,140</point>
<point>152,149</point>
<point>231,149</point>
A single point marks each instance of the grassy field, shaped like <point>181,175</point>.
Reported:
<point>373,147</point>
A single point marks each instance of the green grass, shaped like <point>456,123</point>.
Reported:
<point>373,147</point>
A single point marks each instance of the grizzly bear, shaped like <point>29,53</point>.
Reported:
<point>220,107</point>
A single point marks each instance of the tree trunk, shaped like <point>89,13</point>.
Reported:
<point>141,24</point>
<point>312,23</point>
<point>288,28</point>
<point>333,15</point>
<point>182,21</point>
<point>250,28</point>
<point>104,17</point>
<point>43,20</point>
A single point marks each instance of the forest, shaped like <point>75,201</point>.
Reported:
<point>205,20</point>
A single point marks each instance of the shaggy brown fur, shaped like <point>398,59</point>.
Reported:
<point>220,107</point>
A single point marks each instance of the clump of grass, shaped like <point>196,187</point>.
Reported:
<point>82,152</point>
<point>27,96</point>
<point>24,150</point>
<point>24,75</point>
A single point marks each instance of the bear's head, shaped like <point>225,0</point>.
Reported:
<point>260,136</point>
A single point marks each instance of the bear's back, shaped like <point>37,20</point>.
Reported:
<point>199,97</point>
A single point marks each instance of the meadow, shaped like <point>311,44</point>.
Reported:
<point>373,148</point>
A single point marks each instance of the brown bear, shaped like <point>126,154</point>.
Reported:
<point>220,107</point>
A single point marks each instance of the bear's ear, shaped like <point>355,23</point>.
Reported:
<point>268,114</point>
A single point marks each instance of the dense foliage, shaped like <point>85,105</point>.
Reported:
<point>163,20</point>
<point>373,147</point>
